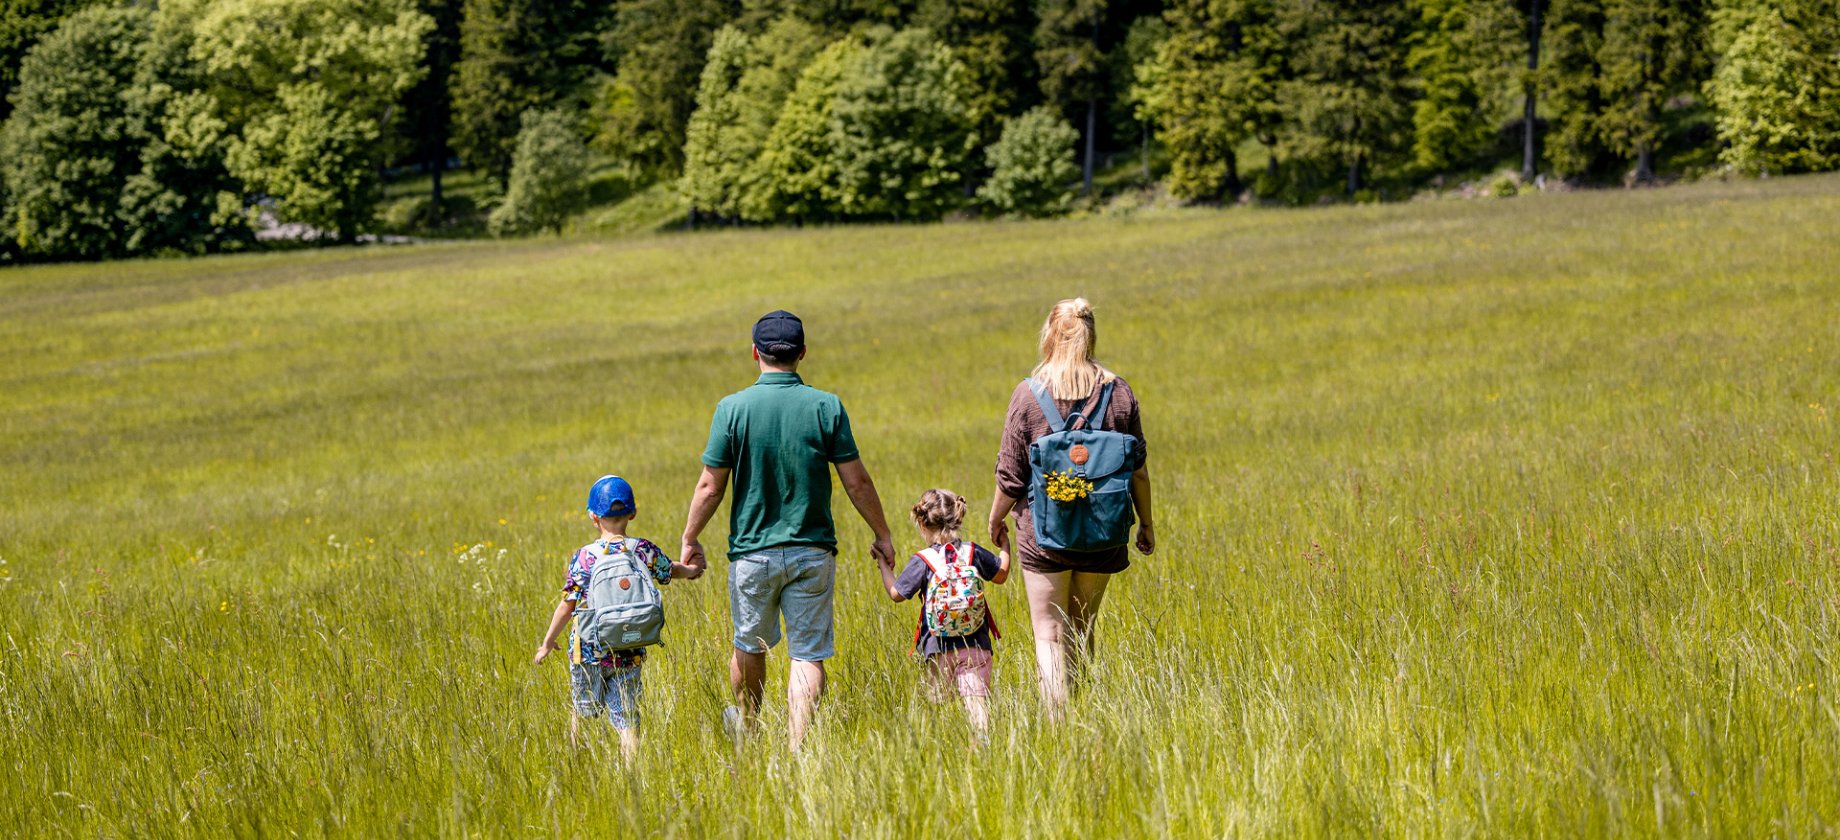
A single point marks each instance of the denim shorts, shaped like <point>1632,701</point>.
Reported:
<point>794,581</point>
<point>596,688</point>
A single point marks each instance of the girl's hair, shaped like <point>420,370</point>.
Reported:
<point>940,512</point>
<point>1067,366</point>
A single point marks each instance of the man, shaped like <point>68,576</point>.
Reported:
<point>778,440</point>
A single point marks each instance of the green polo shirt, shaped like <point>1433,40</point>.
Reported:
<point>779,439</point>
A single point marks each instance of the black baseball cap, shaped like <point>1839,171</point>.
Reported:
<point>779,334</point>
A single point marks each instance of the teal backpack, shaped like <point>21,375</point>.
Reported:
<point>1080,497</point>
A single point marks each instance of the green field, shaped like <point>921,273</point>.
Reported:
<point>1500,518</point>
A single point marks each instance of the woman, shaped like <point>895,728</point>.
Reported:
<point>1065,588</point>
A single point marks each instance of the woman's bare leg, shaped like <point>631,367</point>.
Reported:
<point>1048,616</point>
<point>1085,592</point>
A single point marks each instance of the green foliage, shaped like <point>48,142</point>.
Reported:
<point>1569,91</point>
<point>1651,52</point>
<point>779,56</point>
<point>1032,165</point>
<point>900,134</point>
<point>72,142</point>
<point>713,161</point>
<point>661,47</point>
<point>1350,96</point>
<point>22,23</point>
<point>797,157</point>
<point>1776,88</point>
<point>548,176</point>
<point>991,39</point>
<point>1073,68</point>
<point>312,142</point>
<point>516,55</point>
<point>1212,83</point>
<point>1463,58</point>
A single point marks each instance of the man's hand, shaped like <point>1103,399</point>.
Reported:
<point>1146,539</point>
<point>691,555</point>
<point>543,651</point>
<point>883,550</point>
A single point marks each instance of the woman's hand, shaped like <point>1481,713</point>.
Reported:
<point>1146,539</point>
<point>543,651</point>
<point>999,533</point>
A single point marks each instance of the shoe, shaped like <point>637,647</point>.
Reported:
<point>733,724</point>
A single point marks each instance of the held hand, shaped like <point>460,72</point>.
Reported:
<point>999,533</point>
<point>1146,539</point>
<point>543,651</point>
<point>692,555</point>
<point>883,550</point>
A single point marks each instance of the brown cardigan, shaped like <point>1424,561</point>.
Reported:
<point>1024,425</point>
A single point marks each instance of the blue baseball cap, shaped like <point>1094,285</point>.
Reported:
<point>611,496</point>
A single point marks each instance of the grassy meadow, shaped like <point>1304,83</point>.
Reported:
<point>1475,518</point>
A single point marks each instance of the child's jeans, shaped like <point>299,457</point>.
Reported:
<point>615,690</point>
<point>966,669</point>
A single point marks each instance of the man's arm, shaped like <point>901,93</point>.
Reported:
<point>861,489</point>
<point>703,503</point>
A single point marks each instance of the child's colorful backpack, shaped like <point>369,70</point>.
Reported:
<point>625,608</point>
<point>1080,498</point>
<point>954,603</point>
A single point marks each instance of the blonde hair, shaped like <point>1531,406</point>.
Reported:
<point>940,512</point>
<point>1067,366</point>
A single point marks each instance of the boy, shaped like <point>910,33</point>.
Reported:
<point>601,679</point>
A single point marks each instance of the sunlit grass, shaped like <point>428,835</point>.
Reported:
<point>1476,518</point>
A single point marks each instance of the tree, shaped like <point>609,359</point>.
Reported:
<point>1072,64</point>
<point>779,55</point>
<point>713,162</point>
<point>659,47</point>
<point>1032,165</point>
<point>22,23</point>
<point>312,141</point>
<point>1462,57</point>
<point>1351,95</point>
<point>183,198</point>
<point>991,39</point>
<point>69,145</point>
<point>1649,54</point>
<point>797,159</point>
<point>1777,101</point>
<point>1212,83</point>
<point>515,56</point>
<point>428,108</point>
<point>1141,43</point>
<point>547,178</point>
<point>900,134</point>
<point>1568,82</point>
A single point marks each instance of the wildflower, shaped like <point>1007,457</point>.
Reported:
<point>501,521</point>
<point>223,606</point>
<point>1067,488</point>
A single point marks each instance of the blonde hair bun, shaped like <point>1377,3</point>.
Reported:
<point>1067,341</point>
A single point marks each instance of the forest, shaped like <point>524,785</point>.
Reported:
<point>188,126</point>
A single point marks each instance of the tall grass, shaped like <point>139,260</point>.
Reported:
<point>1501,518</point>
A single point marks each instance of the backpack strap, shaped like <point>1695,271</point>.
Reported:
<point>1102,402</point>
<point>1055,422</point>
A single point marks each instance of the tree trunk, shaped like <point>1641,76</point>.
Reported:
<point>434,194</point>
<point>1233,184</point>
<point>1528,155</point>
<point>1092,115</point>
<point>1271,164</point>
<point>1354,175</point>
<point>1146,153</point>
<point>1645,165</point>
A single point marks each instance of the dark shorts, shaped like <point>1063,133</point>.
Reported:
<point>1044,562</point>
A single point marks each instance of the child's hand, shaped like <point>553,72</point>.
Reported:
<point>543,652</point>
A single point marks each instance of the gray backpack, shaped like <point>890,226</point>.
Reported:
<point>625,608</point>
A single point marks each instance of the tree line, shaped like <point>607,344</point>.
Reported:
<point>179,127</point>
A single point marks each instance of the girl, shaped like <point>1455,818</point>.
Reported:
<point>955,622</point>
